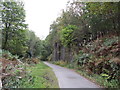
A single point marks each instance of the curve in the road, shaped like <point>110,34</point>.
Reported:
<point>70,79</point>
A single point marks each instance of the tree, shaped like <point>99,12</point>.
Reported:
<point>67,37</point>
<point>103,17</point>
<point>13,26</point>
<point>81,23</point>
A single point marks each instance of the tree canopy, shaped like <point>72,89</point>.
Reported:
<point>16,36</point>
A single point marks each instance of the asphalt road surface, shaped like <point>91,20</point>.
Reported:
<point>69,79</point>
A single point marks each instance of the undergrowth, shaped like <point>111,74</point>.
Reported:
<point>25,73</point>
<point>99,61</point>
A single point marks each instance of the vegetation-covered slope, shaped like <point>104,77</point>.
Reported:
<point>99,61</point>
<point>29,74</point>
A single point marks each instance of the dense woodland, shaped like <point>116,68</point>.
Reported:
<point>80,24</point>
<point>85,36</point>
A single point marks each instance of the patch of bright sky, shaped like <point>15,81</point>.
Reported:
<point>41,13</point>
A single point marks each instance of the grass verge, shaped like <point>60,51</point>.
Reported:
<point>40,76</point>
<point>99,80</point>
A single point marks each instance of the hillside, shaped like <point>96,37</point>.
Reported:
<point>98,61</point>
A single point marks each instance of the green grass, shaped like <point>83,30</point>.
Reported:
<point>40,76</point>
<point>99,80</point>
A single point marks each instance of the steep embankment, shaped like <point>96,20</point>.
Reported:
<point>99,61</point>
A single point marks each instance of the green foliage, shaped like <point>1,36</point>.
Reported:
<point>110,41</point>
<point>81,23</point>
<point>67,37</point>
<point>61,63</point>
<point>13,27</point>
<point>114,83</point>
<point>16,37</point>
<point>8,55</point>
<point>34,44</point>
<point>103,16</point>
<point>83,59</point>
<point>45,51</point>
<point>106,76</point>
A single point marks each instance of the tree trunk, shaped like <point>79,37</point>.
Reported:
<point>70,55</point>
<point>56,53</point>
<point>7,26</point>
<point>62,53</point>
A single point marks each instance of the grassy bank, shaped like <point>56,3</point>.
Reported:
<point>99,80</point>
<point>26,73</point>
<point>41,76</point>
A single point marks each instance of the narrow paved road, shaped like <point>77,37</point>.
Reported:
<point>70,79</point>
